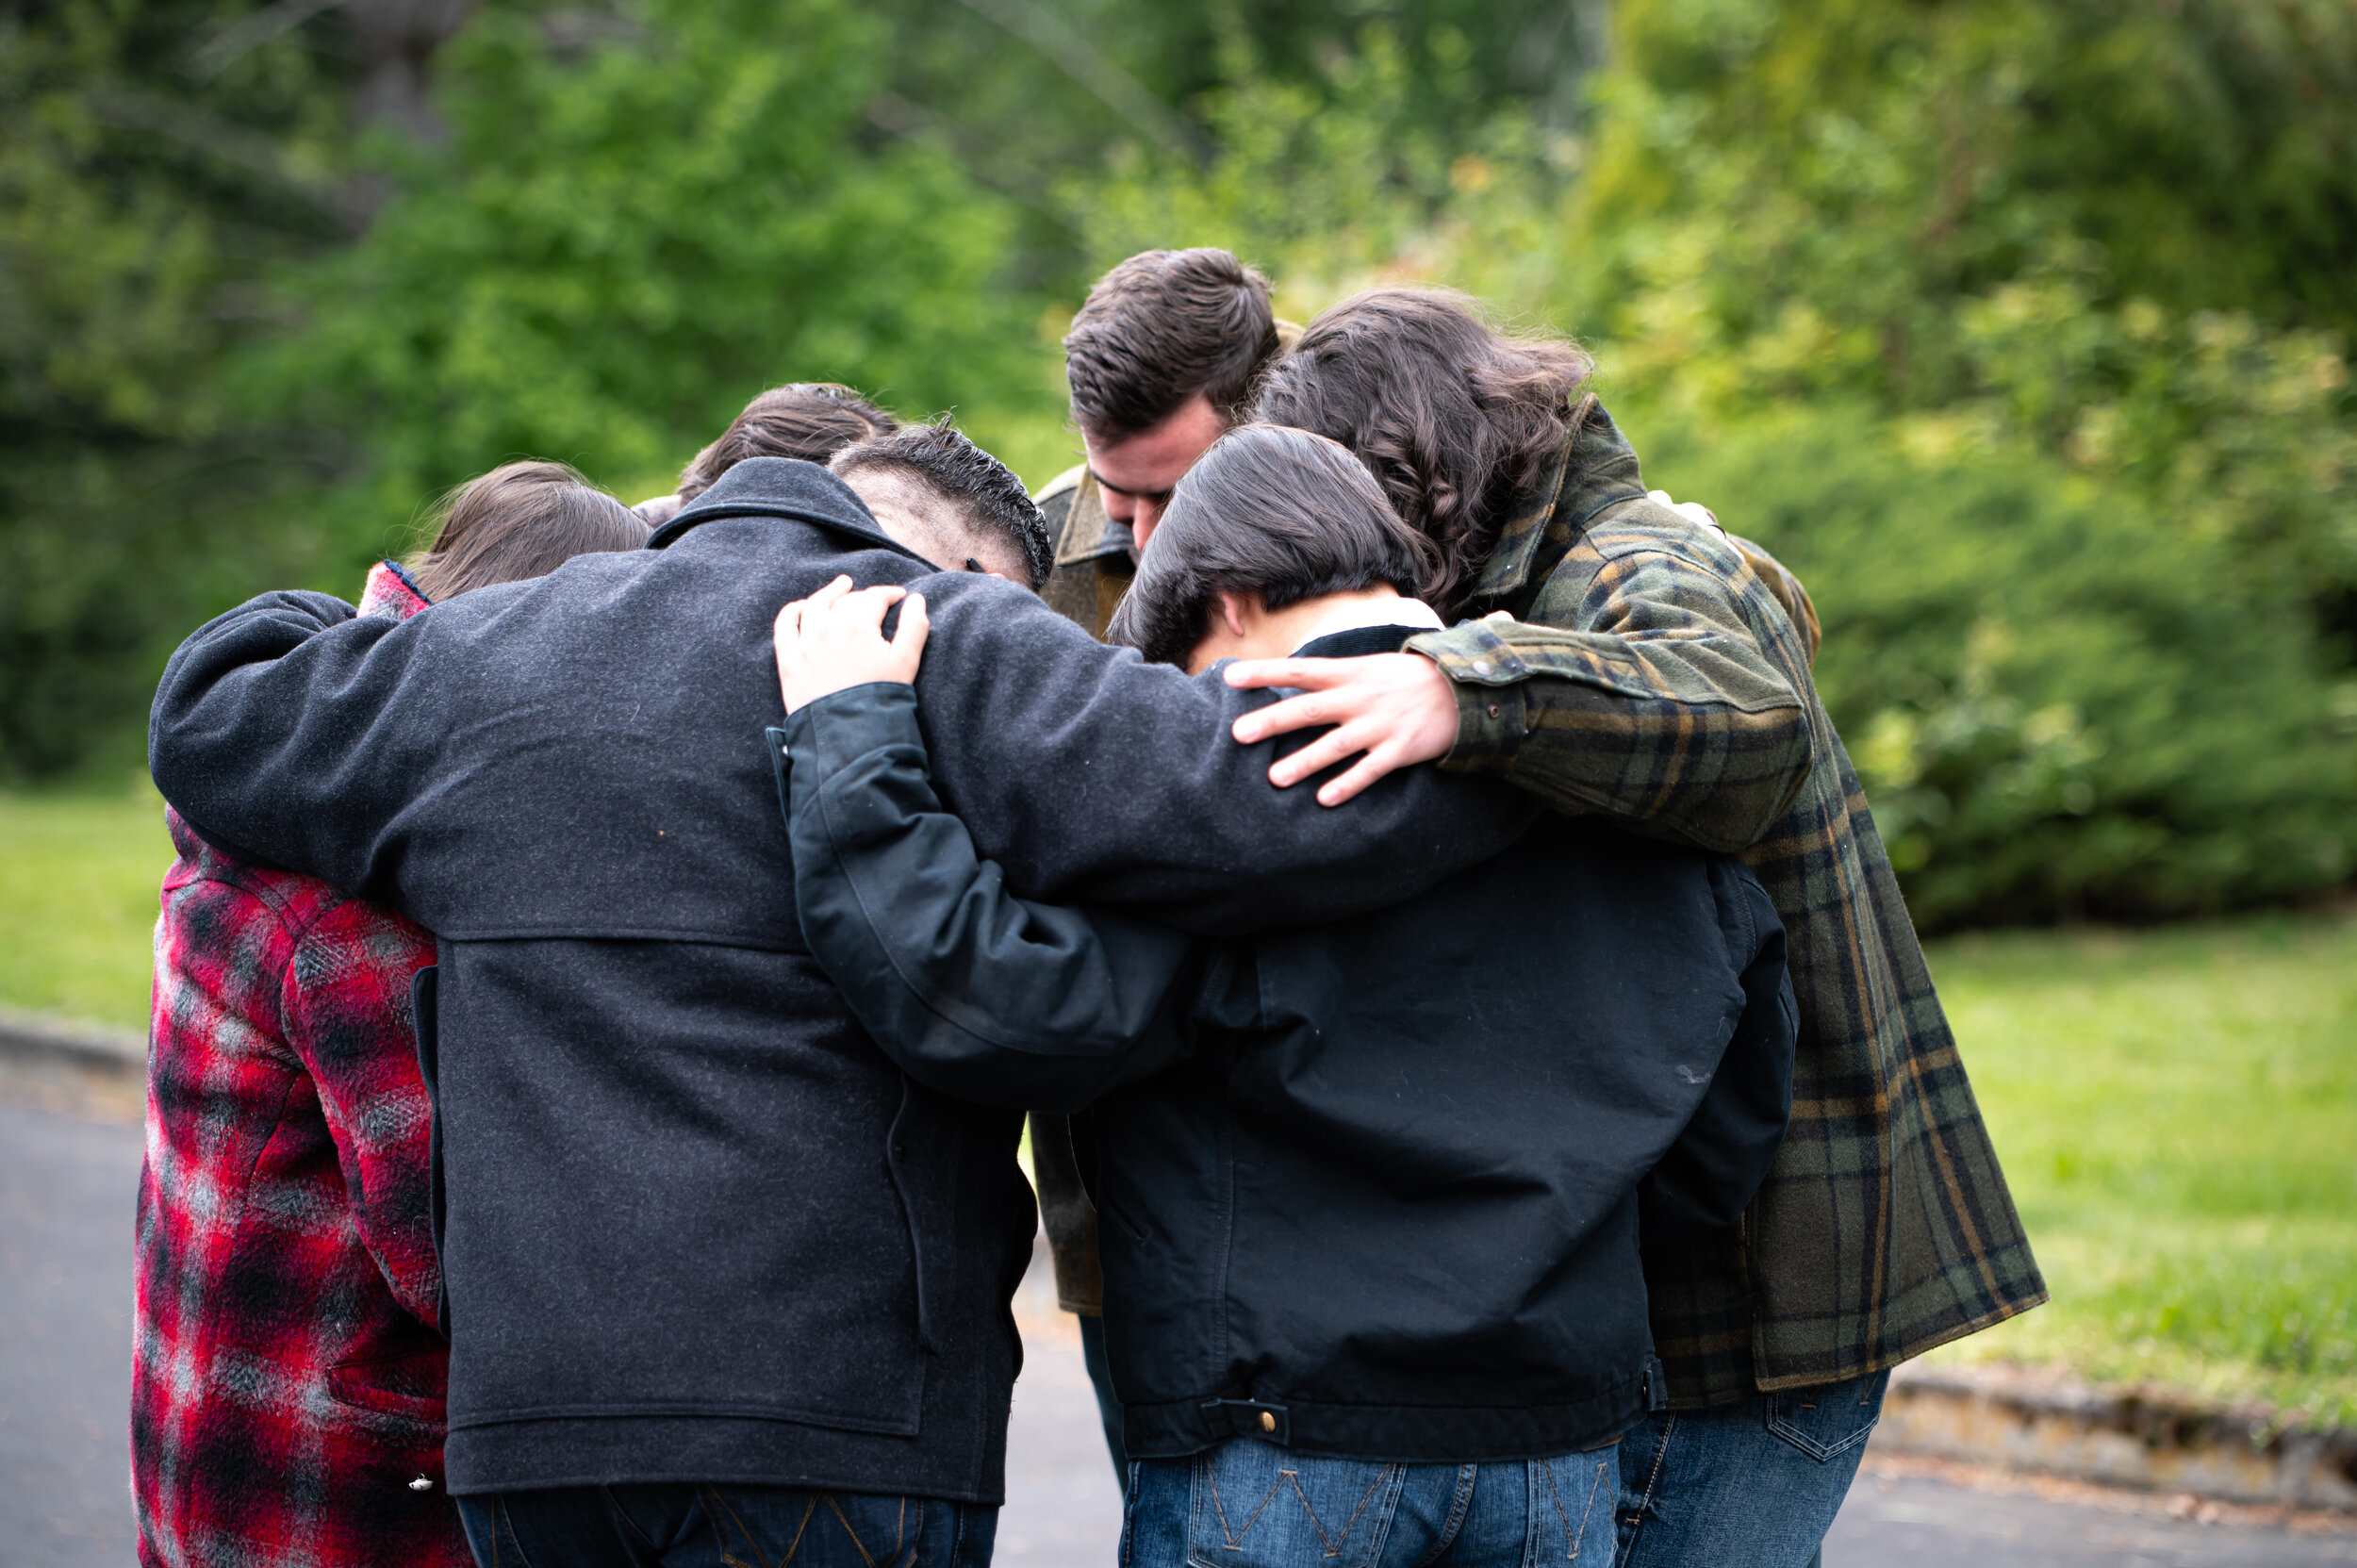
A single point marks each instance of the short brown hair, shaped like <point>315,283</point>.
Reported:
<point>1268,510</point>
<point>1161,327</point>
<point>1454,418</point>
<point>520,520</point>
<point>809,419</point>
<point>982,490</point>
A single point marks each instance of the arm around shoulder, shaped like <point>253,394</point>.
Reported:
<point>268,735</point>
<point>970,990</point>
<point>1642,693</point>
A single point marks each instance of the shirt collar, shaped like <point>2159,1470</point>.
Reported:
<point>1594,469</point>
<point>1352,613</point>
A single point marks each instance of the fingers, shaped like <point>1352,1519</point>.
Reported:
<point>915,624</point>
<point>1295,713</point>
<point>865,609</point>
<point>1321,753</point>
<point>1309,674</point>
<point>838,610</point>
<point>1372,766</point>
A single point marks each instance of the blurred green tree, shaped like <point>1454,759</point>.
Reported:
<point>629,230</point>
<point>2020,326</point>
<point>142,185</point>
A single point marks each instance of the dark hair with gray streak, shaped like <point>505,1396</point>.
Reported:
<point>984,491</point>
<point>1269,510</point>
<point>1454,418</point>
<point>518,520</point>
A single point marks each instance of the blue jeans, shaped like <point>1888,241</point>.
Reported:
<point>678,1524</point>
<point>1258,1505</point>
<point>1755,1482</point>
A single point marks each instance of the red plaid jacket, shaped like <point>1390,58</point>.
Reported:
<point>286,1382</point>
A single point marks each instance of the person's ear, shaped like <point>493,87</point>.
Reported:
<point>1233,607</point>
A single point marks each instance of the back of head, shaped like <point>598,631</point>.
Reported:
<point>1272,511</point>
<point>1452,417</point>
<point>1160,329</point>
<point>520,520</point>
<point>809,419</point>
<point>966,501</point>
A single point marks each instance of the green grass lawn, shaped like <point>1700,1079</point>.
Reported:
<point>2176,1114</point>
<point>79,879</point>
<point>2177,1109</point>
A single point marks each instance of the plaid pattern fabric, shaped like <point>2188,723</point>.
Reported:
<point>286,1390</point>
<point>1648,674</point>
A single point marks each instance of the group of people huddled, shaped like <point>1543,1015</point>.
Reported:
<point>1485,1098</point>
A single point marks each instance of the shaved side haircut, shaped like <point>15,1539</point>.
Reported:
<point>979,492</point>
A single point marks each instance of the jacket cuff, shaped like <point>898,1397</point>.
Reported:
<point>1487,676</point>
<point>825,737</point>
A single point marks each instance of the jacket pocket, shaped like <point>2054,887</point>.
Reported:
<point>1828,1420</point>
<point>922,1159</point>
<point>424,1014</point>
<point>408,1387</point>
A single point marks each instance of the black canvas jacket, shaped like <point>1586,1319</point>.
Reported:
<point>1370,1189</point>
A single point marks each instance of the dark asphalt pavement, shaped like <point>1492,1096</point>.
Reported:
<point>68,1187</point>
<point>67,1190</point>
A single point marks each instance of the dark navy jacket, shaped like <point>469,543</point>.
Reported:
<point>1370,1189</point>
<point>698,1228</point>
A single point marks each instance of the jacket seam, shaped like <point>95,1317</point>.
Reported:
<point>979,1030</point>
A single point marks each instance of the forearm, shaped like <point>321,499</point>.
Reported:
<point>262,736</point>
<point>1666,716</point>
<point>970,990</point>
<point>1091,776</point>
<point>1709,1176</point>
<point>345,999</point>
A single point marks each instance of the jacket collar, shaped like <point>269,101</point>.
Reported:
<point>783,487</point>
<point>391,592</point>
<point>1088,534</point>
<point>1596,469</point>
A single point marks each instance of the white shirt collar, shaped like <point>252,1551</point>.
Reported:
<point>1349,615</point>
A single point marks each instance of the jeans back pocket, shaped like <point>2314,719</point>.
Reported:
<point>1830,1419</point>
<point>1255,1505</point>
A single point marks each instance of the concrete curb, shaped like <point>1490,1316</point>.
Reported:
<point>51,1046</point>
<point>2026,1419</point>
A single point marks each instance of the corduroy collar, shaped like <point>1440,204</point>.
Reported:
<point>1596,469</point>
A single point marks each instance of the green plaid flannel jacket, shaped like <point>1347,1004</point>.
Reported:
<point>1648,674</point>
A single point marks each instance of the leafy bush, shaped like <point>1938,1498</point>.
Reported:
<point>2056,706</point>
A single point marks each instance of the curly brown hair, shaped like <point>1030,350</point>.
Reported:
<point>1454,418</point>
